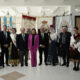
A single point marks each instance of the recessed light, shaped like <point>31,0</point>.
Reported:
<point>76,9</point>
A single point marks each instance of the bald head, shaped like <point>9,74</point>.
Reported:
<point>22,29</point>
<point>42,29</point>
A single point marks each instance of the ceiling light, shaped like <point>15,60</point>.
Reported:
<point>76,9</point>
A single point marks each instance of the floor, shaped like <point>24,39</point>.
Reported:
<point>39,73</point>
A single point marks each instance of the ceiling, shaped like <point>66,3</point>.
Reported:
<point>35,10</point>
<point>39,2</point>
<point>39,7</point>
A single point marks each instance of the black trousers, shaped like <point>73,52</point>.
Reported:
<point>41,51</point>
<point>24,53</point>
<point>0,59</point>
<point>4,53</point>
<point>76,64</point>
<point>65,52</point>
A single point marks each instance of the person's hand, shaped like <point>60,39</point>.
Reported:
<point>73,48</point>
<point>43,46</point>
<point>6,45</point>
<point>72,45</point>
<point>18,50</point>
<point>49,41</point>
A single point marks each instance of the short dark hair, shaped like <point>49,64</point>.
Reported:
<point>5,26</point>
<point>76,28</point>
<point>14,29</point>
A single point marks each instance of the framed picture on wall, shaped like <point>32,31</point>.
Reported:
<point>45,22</point>
<point>28,22</point>
<point>77,22</point>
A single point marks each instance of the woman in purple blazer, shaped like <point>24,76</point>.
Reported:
<point>33,45</point>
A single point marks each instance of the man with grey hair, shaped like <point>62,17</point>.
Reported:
<point>22,46</point>
<point>65,45</point>
<point>43,46</point>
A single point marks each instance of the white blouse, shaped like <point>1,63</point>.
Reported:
<point>13,37</point>
<point>53,36</point>
<point>72,42</point>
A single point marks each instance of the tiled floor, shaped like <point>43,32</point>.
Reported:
<point>42,73</point>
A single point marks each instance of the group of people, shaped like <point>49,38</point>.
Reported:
<point>17,46</point>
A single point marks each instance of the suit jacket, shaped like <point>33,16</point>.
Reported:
<point>36,41</point>
<point>5,40</point>
<point>22,44</point>
<point>0,37</point>
<point>45,40</point>
<point>68,37</point>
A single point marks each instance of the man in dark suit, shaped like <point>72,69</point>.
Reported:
<point>65,45</point>
<point>22,45</point>
<point>5,43</point>
<point>43,45</point>
<point>0,54</point>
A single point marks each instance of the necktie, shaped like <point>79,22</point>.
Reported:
<point>5,33</point>
<point>42,35</point>
<point>23,37</point>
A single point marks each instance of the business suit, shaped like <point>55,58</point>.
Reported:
<point>0,52</point>
<point>5,39</point>
<point>22,45</point>
<point>65,45</point>
<point>33,45</point>
<point>43,40</point>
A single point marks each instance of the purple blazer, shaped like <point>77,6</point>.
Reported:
<point>36,41</point>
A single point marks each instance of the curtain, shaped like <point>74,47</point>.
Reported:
<point>54,23</point>
<point>63,21</point>
<point>5,20</point>
<point>45,22</point>
<point>11,25</point>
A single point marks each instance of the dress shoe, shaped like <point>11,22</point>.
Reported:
<point>26,64</point>
<point>54,64</point>
<point>46,64</point>
<point>3,66</point>
<point>15,64</point>
<point>12,65</point>
<point>7,64</point>
<point>74,68</point>
<point>67,65</point>
<point>63,64</point>
<point>21,65</point>
<point>40,64</point>
<point>77,69</point>
<point>33,66</point>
